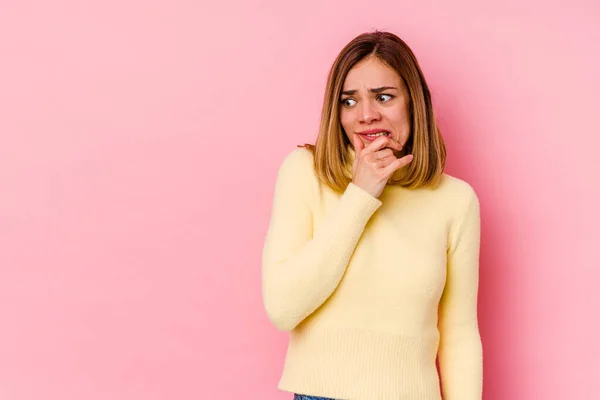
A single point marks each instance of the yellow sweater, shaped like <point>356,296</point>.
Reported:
<point>372,290</point>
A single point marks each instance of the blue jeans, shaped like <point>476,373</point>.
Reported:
<point>304,397</point>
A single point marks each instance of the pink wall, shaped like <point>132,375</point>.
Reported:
<point>139,146</point>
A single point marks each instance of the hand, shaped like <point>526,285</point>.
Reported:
<point>376,163</point>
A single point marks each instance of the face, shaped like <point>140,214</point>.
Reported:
<point>374,99</point>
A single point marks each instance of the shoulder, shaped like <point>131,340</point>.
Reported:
<point>297,168</point>
<point>457,193</point>
<point>297,163</point>
<point>299,157</point>
<point>456,186</point>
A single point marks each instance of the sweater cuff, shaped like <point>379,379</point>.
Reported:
<point>362,204</point>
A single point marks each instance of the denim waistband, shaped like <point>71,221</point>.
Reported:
<point>304,397</point>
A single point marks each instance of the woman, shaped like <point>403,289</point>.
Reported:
<point>372,254</point>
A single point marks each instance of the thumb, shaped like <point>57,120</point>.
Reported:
<point>358,144</point>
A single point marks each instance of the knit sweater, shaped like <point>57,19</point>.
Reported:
<point>374,290</point>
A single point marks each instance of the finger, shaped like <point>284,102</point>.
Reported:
<point>376,145</point>
<point>358,145</point>
<point>381,164</point>
<point>397,164</point>
<point>380,143</point>
<point>379,155</point>
<point>384,162</point>
<point>394,144</point>
<point>386,152</point>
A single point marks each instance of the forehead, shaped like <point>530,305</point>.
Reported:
<point>371,73</point>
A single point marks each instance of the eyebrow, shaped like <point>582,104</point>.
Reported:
<point>373,90</point>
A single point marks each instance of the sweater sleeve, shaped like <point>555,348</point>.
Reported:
<point>301,270</point>
<point>460,352</point>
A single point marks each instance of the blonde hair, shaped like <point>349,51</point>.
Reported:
<point>425,142</point>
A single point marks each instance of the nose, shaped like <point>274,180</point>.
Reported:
<point>368,112</point>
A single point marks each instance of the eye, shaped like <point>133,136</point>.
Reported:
<point>348,102</point>
<point>383,96</point>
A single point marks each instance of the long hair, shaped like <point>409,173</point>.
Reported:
<point>425,142</point>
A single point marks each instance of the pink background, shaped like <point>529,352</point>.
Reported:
<point>139,146</point>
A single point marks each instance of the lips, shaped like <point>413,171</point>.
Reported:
<point>373,134</point>
<point>370,131</point>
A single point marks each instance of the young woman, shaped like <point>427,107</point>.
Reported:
<point>371,258</point>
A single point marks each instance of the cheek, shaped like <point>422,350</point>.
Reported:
<point>399,118</point>
<point>346,120</point>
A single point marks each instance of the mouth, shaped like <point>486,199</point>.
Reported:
<point>372,135</point>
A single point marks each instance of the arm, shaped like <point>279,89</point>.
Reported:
<point>299,271</point>
<point>460,353</point>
